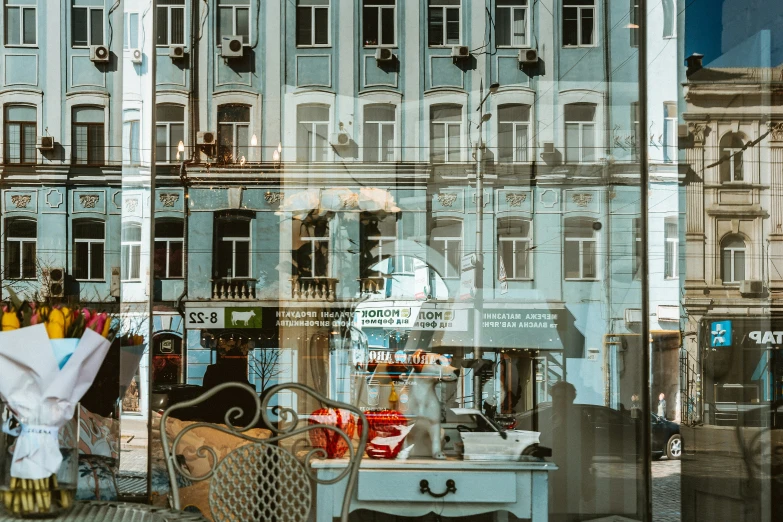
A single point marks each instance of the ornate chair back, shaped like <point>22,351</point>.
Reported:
<point>268,479</point>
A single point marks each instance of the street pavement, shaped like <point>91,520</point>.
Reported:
<point>666,490</point>
<point>133,445</point>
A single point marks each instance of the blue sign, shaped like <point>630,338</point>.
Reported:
<point>720,334</point>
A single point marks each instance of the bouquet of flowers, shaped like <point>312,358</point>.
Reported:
<point>49,356</point>
<point>132,348</point>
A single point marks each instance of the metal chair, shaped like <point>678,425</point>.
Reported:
<point>262,480</point>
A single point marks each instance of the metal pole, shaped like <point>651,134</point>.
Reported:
<point>478,270</point>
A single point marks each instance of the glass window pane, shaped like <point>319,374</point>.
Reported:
<point>454,142</point>
<point>22,228</point>
<point>13,259</point>
<point>28,260</point>
<point>13,145</point>
<point>571,259</point>
<point>589,261</point>
<point>131,232</point>
<point>133,30</point>
<point>572,142</point>
<point>387,26</point>
<point>371,142</point>
<point>321,142</point>
<point>312,113</point>
<point>321,26</point>
<point>177,135</point>
<point>514,112</point>
<point>176,258</point>
<point>520,146</point>
<point>13,25</point>
<point>96,261</point>
<point>80,143</point>
<point>79,26</point>
<point>570,26</point>
<point>304,26</point>
<point>519,29</point>
<point>446,113</point>
<point>387,143</point>
<point>452,26</point>
<point>177,26</point>
<point>243,140</point>
<point>161,143</point>
<point>226,143</point>
<point>588,143</point>
<point>379,113</point>
<point>169,229</point>
<point>243,24</point>
<point>521,254</point>
<point>242,259</point>
<point>503,26</point>
<point>726,262</point>
<point>505,142</point>
<point>159,259</point>
<point>225,23</point>
<point>506,254</point>
<point>579,112</point>
<point>163,26</point>
<point>438,142</point>
<point>96,26</point>
<point>88,230</point>
<point>233,113</point>
<point>29,27</point>
<point>95,150</point>
<point>739,265</point>
<point>436,26</point>
<point>370,26</point>
<point>169,112</point>
<point>88,115</point>
<point>80,260</point>
<point>20,113</point>
<point>587,27</point>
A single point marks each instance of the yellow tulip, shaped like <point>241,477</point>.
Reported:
<point>55,326</point>
<point>106,328</point>
<point>68,315</point>
<point>9,321</point>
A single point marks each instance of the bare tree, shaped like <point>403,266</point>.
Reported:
<point>265,365</point>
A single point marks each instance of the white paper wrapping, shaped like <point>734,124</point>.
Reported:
<point>43,396</point>
<point>130,357</point>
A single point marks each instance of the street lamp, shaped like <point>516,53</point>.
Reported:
<point>478,299</point>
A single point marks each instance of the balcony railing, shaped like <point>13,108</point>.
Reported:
<point>372,285</point>
<point>314,289</point>
<point>233,289</point>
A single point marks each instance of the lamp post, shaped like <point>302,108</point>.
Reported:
<point>478,297</point>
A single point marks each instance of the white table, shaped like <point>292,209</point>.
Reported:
<point>395,487</point>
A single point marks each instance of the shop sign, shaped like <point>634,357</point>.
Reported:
<point>720,334</point>
<point>302,318</point>
<point>229,317</point>
<point>766,337</point>
<point>412,317</point>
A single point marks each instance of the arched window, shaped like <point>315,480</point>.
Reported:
<point>312,133</point>
<point>733,252</point>
<point>514,242</point>
<point>580,132</point>
<point>731,160</point>
<point>513,125</point>
<point>580,249</point>
<point>379,133</point>
<point>20,134</point>
<point>88,136</point>
<point>169,131</point>
<point>20,245</point>
<point>445,133</point>
<point>233,132</point>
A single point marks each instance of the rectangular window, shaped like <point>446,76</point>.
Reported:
<point>233,248</point>
<point>671,249</point>
<point>378,237</point>
<point>511,23</point>
<point>311,248</point>
<point>312,23</point>
<point>233,133</point>
<point>312,133</point>
<point>379,133</point>
<point>169,132</point>
<point>578,23</point>
<point>171,22</point>
<point>87,28</point>
<point>580,250</point>
<point>233,20</point>
<point>88,250</point>
<point>131,252</point>
<point>446,239</point>
<point>131,21</point>
<point>131,139</point>
<point>513,125</point>
<point>444,22</point>
<point>635,20</point>
<point>514,248</point>
<point>580,132</point>
<point>379,23</point>
<point>20,25</point>
<point>445,133</point>
<point>88,137</point>
<point>669,19</point>
<point>20,134</point>
<point>169,251</point>
<point>669,132</point>
<point>20,249</point>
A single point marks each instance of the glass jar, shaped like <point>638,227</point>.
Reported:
<point>44,498</point>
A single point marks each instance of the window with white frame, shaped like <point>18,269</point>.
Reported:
<point>379,23</point>
<point>87,27</point>
<point>311,248</point>
<point>636,266</point>
<point>312,23</point>
<point>580,251</point>
<point>131,23</point>
<point>312,133</point>
<point>513,128</point>
<point>88,137</point>
<point>514,242</point>
<point>580,132</point>
<point>233,20</point>
<point>578,23</point>
<point>444,22</point>
<point>635,20</point>
<point>169,132</point>
<point>446,240</point>
<point>379,133</point>
<point>233,132</point>
<point>130,248</point>
<point>21,235</point>
<point>671,248</point>
<point>511,23</point>
<point>20,134</point>
<point>733,255</point>
<point>88,250</point>
<point>445,133</point>
<point>731,158</point>
<point>168,255</point>
<point>669,19</point>
<point>232,248</point>
<point>21,22</point>
<point>378,234</point>
<point>669,132</point>
<point>131,138</point>
<point>171,22</point>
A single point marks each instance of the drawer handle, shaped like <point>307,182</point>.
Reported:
<point>451,487</point>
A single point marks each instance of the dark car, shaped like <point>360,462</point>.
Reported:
<point>666,439</point>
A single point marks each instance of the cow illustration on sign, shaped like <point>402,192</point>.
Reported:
<point>242,317</point>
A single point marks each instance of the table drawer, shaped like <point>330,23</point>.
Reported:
<point>405,486</point>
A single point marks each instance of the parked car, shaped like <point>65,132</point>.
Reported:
<point>666,439</point>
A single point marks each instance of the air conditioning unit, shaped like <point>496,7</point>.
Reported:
<point>384,54</point>
<point>633,315</point>
<point>549,147</point>
<point>177,51</point>
<point>99,53</point>
<point>339,139</point>
<point>205,138</point>
<point>114,284</point>
<point>528,56</point>
<point>136,56</point>
<point>232,47</point>
<point>752,287</point>
<point>54,282</point>
<point>460,52</point>
<point>45,142</point>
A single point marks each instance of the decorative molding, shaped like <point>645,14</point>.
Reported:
<point>89,200</point>
<point>274,197</point>
<point>515,199</point>
<point>582,199</point>
<point>169,199</point>
<point>349,200</point>
<point>21,200</point>
<point>776,130</point>
<point>548,198</point>
<point>131,205</point>
<point>447,199</point>
<point>54,198</point>
<point>698,130</point>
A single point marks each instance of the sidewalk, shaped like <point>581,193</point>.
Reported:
<point>132,478</point>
